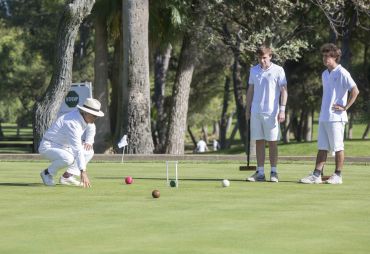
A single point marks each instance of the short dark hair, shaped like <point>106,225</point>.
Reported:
<point>332,50</point>
<point>264,50</point>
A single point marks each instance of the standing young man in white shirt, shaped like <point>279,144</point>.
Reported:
<point>336,82</point>
<point>61,144</point>
<point>267,86</point>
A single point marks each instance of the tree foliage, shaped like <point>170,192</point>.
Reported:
<point>232,31</point>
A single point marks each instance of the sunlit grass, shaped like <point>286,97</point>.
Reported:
<point>198,217</point>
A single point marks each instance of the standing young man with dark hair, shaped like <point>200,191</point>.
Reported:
<point>336,82</point>
<point>267,85</point>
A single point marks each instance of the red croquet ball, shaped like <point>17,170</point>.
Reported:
<point>128,180</point>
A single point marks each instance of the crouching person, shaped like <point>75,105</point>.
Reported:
<point>63,144</point>
<point>68,178</point>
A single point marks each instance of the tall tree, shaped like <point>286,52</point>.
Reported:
<point>181,88</point>
<point>103,130</point>
<point>224,118</point>
<point>239,89</point>
<point>162,59</point>
<point>46,110</point>
<point>165,29</point>
<point>135,15</point>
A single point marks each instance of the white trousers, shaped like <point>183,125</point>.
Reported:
<point>61,157</point>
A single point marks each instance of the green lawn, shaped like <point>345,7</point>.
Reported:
<point>198,217</point>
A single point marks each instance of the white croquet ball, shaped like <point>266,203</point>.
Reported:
<point>225,183</point>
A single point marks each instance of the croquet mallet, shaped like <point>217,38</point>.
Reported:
<point>248,151</point>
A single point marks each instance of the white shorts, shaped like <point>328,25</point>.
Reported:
<point>264,127</point>
<point>331,135</point>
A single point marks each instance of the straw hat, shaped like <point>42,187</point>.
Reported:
<point>91,106</point>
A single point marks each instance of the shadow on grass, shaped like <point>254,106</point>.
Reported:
<point>22,184</point>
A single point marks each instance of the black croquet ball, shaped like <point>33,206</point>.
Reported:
<point>173,183</point>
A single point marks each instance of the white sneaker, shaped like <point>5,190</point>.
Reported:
<point>256,178</point>
<point>69,181</point>
<point>334,179</point>
<point>47,179</point>
<point>274,177</point>
<point>311,179</point>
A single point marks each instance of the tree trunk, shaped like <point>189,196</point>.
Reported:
<point>350,126</point>
<point>366,94</point>
<point>103,129</point>
<point>239,91</point>
<point>301,126</point>
<point>224,118</point>
<point>366,132</point>
<point>286,129</point>
<point>346,39</point>
<point>180,97</point>
<point>180,94</point>
<point>192,137</point>
<point>162,59</point>
<point>46,110</point>
<point>308,128</point>
<point>1,131</point>
<point>119,97</point>
<point>135,15</point>
<point>295,126</point>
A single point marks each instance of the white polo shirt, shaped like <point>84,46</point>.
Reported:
<point>336,85</point>
<point>267,84</point>
<point>67,131</point>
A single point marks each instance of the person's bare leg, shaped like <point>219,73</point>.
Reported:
<point>336,178</point>
<point>260,152</point>
<point>320,161</point>
<point>339,160</point>
<point>273,150</point>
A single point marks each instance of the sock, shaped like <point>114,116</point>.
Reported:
<point>317,172</point>
<point>337,172</point>
<point>260,170</point>
<point>273,169</point>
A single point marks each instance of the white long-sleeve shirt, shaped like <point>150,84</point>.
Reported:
<point>89,135</point>
<point>67,131</point>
